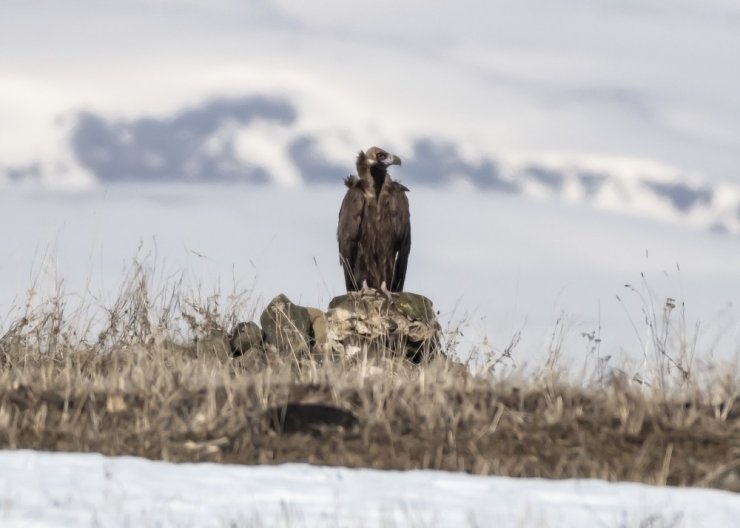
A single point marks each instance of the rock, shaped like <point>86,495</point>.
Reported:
<point>286,326</point>
<point>244,337</point>
<point>415,307</point>
<point>216,344</point>
<point>319,330</point>
<point>405,325</point>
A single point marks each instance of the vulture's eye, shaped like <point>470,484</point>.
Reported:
<point>381,155</point>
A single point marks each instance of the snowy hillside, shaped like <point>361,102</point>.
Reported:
<point>261,140</point>
<point>44,489</point>
<point>624,107</point>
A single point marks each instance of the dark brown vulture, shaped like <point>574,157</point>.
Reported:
<point>374,229</point>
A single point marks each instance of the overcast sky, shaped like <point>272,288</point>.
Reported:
<point>651,80</point>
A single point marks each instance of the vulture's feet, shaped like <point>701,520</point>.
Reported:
<point>384,289</point>
<point>365,289</point>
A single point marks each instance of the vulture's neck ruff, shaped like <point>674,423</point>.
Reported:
<point>378,173</point>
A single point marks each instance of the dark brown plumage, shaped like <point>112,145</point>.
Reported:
<point>374,231</point>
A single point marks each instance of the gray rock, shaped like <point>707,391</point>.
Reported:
<point>319,331</point>
<point>286,326</point>
<point>245,337</point>
<point>215,344</point>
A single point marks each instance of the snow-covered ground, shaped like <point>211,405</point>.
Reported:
<point>55,489</point>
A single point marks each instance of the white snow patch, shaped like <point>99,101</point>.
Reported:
<point>56,489</point>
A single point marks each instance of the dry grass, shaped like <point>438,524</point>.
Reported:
<point>141,386</point>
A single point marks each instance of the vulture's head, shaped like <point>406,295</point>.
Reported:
<point>376,157</point>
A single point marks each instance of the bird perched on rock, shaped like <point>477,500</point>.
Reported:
<point>374,231</point>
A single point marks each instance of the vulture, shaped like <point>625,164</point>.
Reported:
<point>374,231</point>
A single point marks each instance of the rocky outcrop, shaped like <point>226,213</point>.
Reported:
<point>403,325</point>
<point>357,323</point>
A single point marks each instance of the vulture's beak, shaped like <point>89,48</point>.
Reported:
<point>393,160</point>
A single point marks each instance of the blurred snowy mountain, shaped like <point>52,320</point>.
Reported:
<point>259,140</point>
<point>628,107</point>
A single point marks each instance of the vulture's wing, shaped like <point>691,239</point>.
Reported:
<point>348,231</point>
<point>401,222</point>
